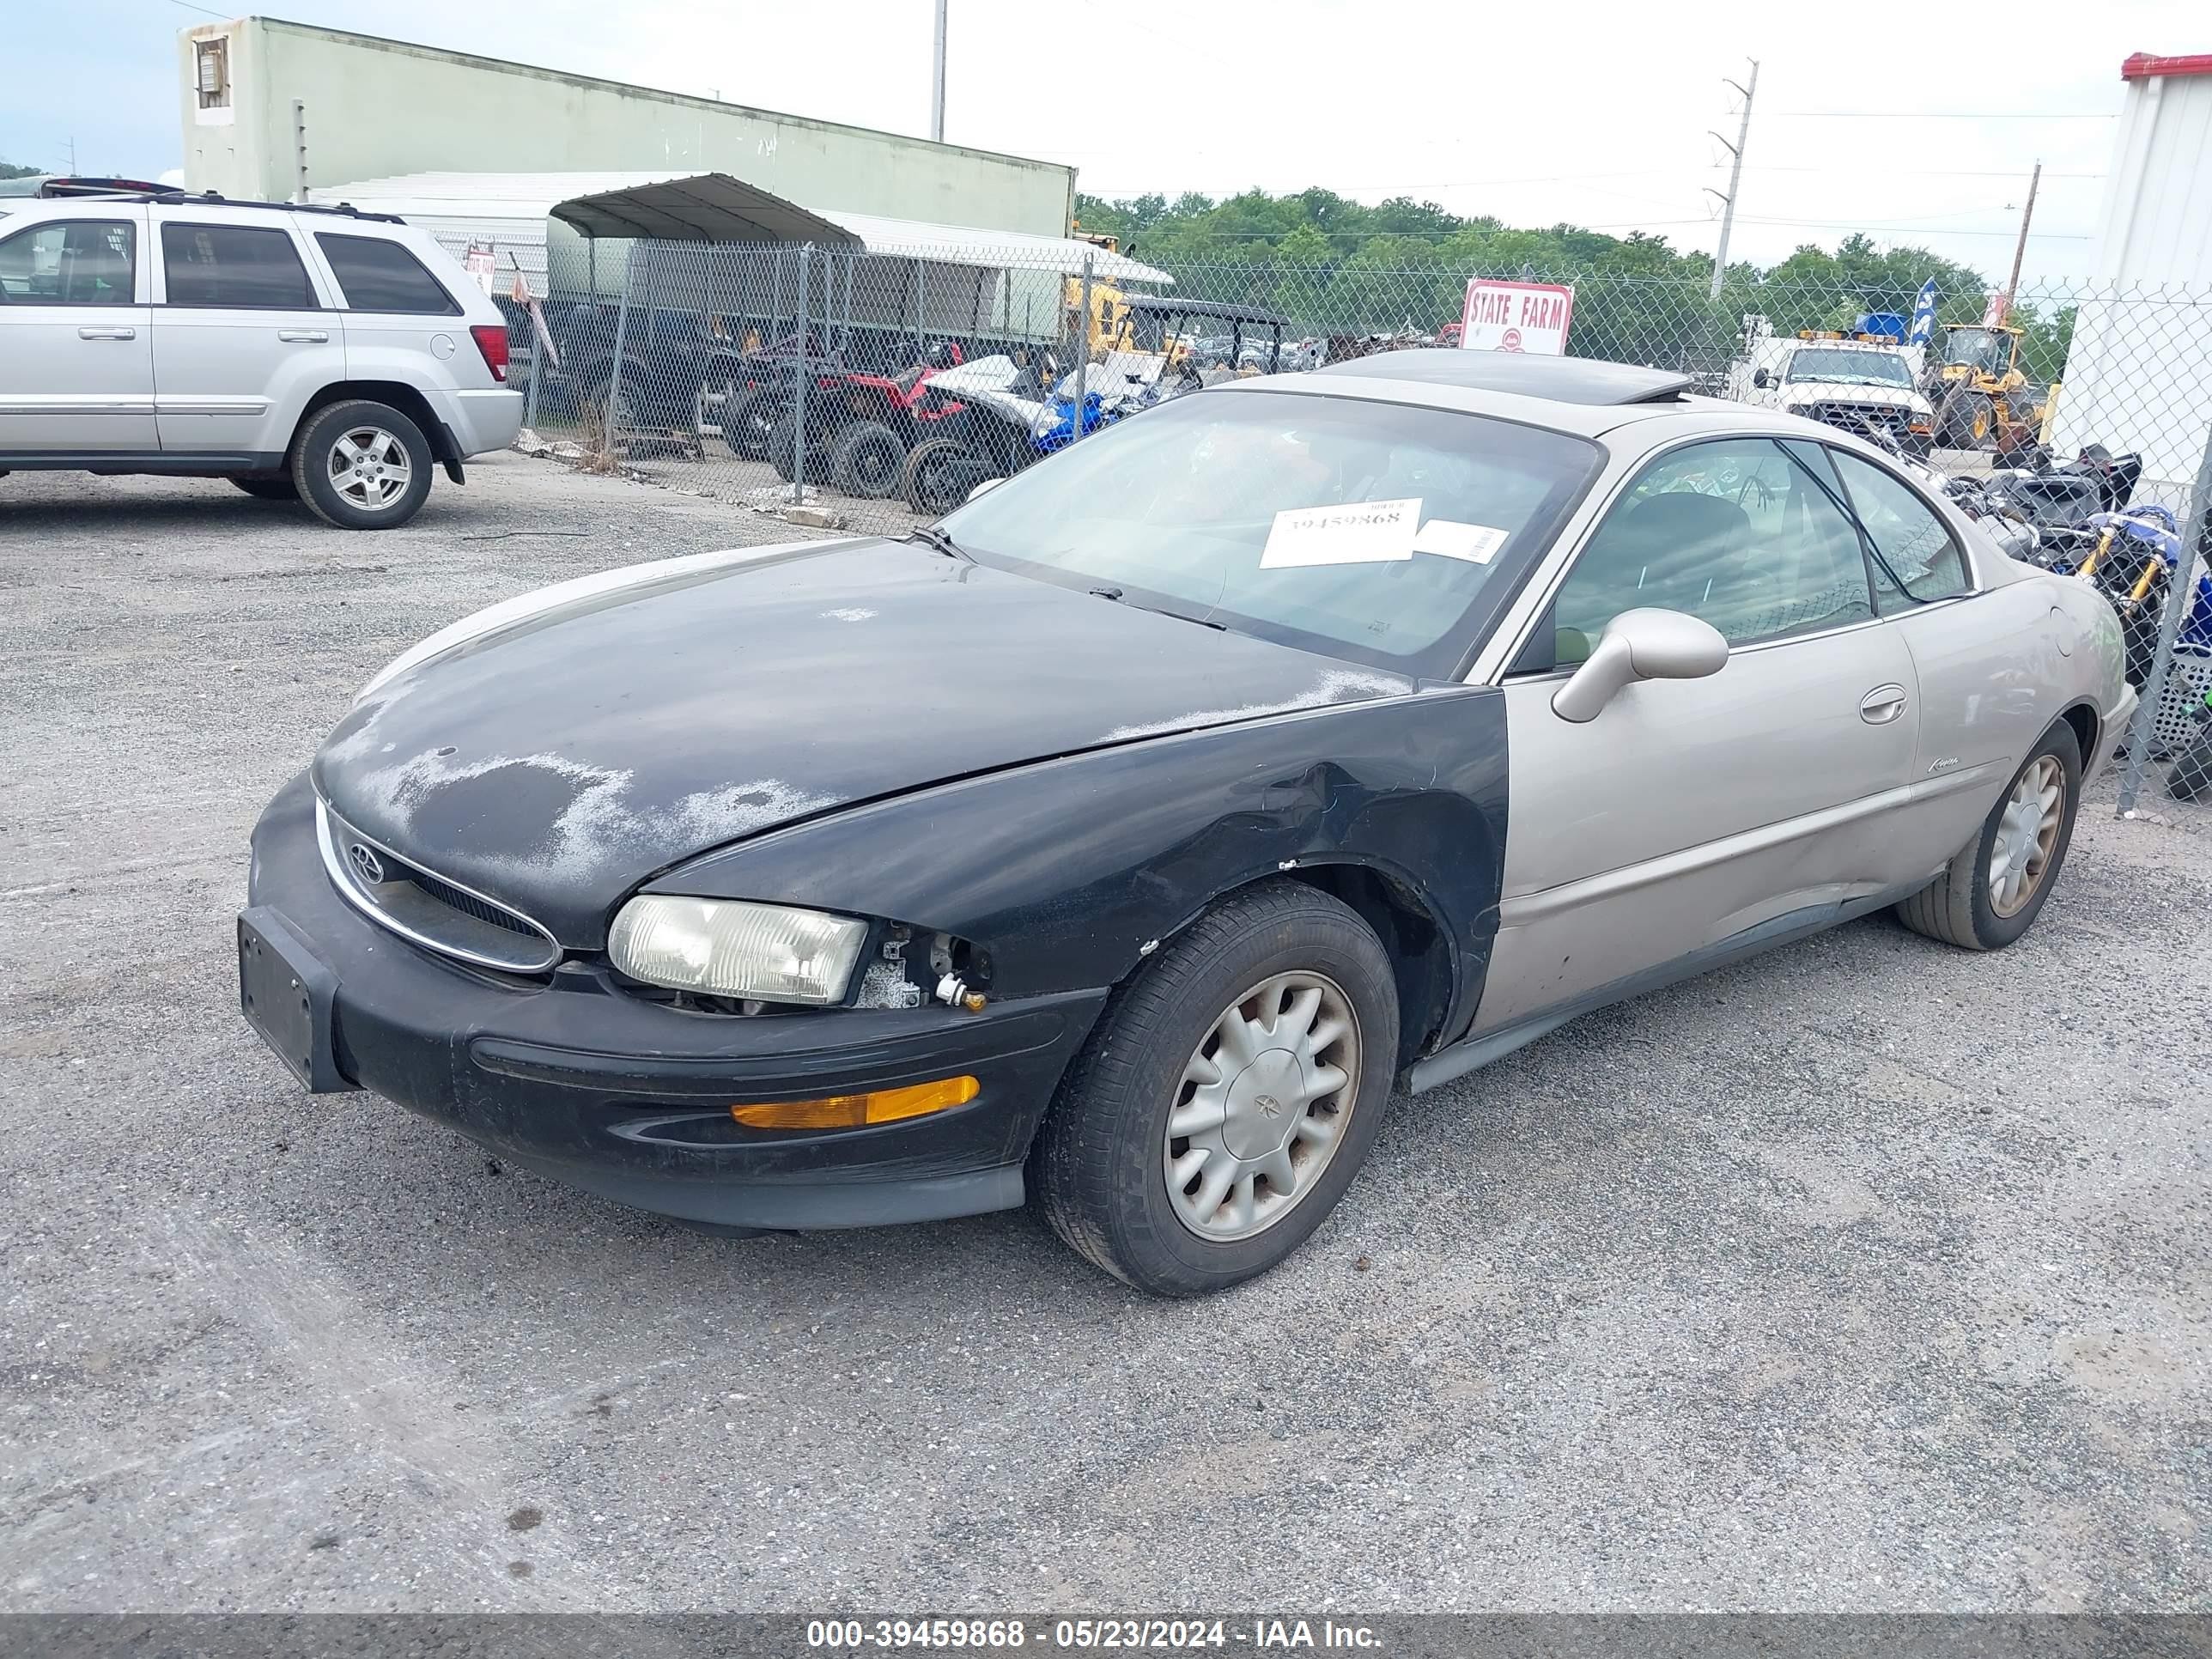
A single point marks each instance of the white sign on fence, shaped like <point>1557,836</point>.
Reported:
<point>1529,317</point>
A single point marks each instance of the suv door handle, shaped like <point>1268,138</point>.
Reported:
<point>1882,705</point>
<point>305,335</point>
<point>110,332</point>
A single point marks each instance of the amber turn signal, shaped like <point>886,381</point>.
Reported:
<point>855,1111</point>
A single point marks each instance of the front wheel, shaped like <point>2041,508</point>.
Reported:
<point>362,465</point>
<point>864,460</point>
<point>1996,886</point>
<point>1227,1097</point>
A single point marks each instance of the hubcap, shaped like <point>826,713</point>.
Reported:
<point>370,468</point>
<point>1262,1106</point>
<point>2027,830</point>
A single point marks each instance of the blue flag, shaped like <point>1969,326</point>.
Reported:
<point>1923,315</point>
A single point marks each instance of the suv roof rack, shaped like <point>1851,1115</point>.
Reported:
<point>137,189</point>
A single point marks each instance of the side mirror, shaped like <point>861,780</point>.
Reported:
<point>1762,379</point>
<point>984,488</point>
<point>1645,644</point>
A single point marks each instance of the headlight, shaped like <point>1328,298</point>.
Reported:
<point>730,948</point>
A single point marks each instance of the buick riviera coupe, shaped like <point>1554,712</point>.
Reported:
<point>1123,841</point>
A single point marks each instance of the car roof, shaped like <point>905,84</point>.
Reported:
<point>1566,379</point>
<point>1625,427</point>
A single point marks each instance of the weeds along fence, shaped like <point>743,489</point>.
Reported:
<point>862,388</point>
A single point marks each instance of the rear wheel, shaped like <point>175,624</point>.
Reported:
<point>362,465</point>
<point>865,461</point>
<point>269,487</point>
<point>1227,1097</point>
<point>1996,886</point>
<point>939,474</point>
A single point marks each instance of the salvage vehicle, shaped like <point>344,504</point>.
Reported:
<point>1124,839</point>
<point>1857,385</point>
<point>306,353</point>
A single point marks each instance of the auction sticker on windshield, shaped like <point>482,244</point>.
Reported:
<point>1449,539</point>
<point>1351,532</point>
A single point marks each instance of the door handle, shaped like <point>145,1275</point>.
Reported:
<point>304,336</point>
<point>107,333</point>
<point>1882,705</point>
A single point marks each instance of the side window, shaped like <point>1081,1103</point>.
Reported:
<point>1911,542</point>
<point>71,262</point>
<point>375,275</point>
<point>1731,530</point>
<point>234,266</point>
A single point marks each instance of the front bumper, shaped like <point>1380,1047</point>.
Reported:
<point>630,1099</point>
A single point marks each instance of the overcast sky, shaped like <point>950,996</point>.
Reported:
<point>1915,123</point>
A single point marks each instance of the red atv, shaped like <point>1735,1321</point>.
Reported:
<point>860,427</point>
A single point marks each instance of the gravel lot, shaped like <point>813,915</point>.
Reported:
<point>1869,1275</point>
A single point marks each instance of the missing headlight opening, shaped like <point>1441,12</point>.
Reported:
<point>902,975</point>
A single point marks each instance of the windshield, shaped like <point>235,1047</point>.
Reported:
<point>1215,507</point>
<point>1851,369</point>
<point>1980,348</point>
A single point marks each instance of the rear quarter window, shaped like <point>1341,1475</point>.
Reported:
<point>376,275</point>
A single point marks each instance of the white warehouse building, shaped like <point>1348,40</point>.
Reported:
<point>2139,370</point>
<point>271,110</point>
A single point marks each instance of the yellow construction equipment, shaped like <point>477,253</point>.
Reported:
<point>1981,396</point>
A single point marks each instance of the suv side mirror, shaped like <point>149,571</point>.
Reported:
<point>1762,379</point>
<point>1645,644</point>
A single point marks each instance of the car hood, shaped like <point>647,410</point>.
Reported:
<point>557,761</point>
<point>1809,391</point>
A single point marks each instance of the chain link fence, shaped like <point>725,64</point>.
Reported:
<point>845,389</point>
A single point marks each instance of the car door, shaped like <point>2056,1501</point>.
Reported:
<point>243,336</point>
<point>1987,663</point>
<point>1692,817</point>
<point>76,368</point>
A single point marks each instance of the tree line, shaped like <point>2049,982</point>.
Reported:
<point>1340,267</point>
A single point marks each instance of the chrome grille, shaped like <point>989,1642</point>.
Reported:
<point>425,907</point>
<point>1856,417</point>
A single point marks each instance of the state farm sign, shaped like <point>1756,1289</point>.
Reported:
<point>1516,316</point>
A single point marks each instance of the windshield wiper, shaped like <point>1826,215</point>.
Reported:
<point>1120,597</point>
<point>936,536</point>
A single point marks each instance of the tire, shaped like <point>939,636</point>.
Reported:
<point>1964,420</point>
<point>1101,1167</point>
<point>939,474</point>
<point>2190,777</point>
<point>747,420</point>
<point>1959,906</point>
<point>375,430</point>
<point>865,460</point>
<point>783,441</point>
<point>268,488</point>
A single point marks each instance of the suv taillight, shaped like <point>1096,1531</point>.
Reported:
<point>491,340</point>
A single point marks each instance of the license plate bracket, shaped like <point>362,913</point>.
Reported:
<point>289,995</point>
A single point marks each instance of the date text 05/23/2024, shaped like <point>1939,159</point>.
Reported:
<point>1005,1635</point>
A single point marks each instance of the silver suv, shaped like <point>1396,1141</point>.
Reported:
<point>314,354</point>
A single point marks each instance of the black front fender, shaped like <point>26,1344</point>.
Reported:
<point>1068,871</point>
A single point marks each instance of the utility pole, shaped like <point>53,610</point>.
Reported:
<point>937,80</point>
<point>2020,248</point>
<point>1735,177</point>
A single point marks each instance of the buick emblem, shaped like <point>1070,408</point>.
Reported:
<point>365,861</point>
